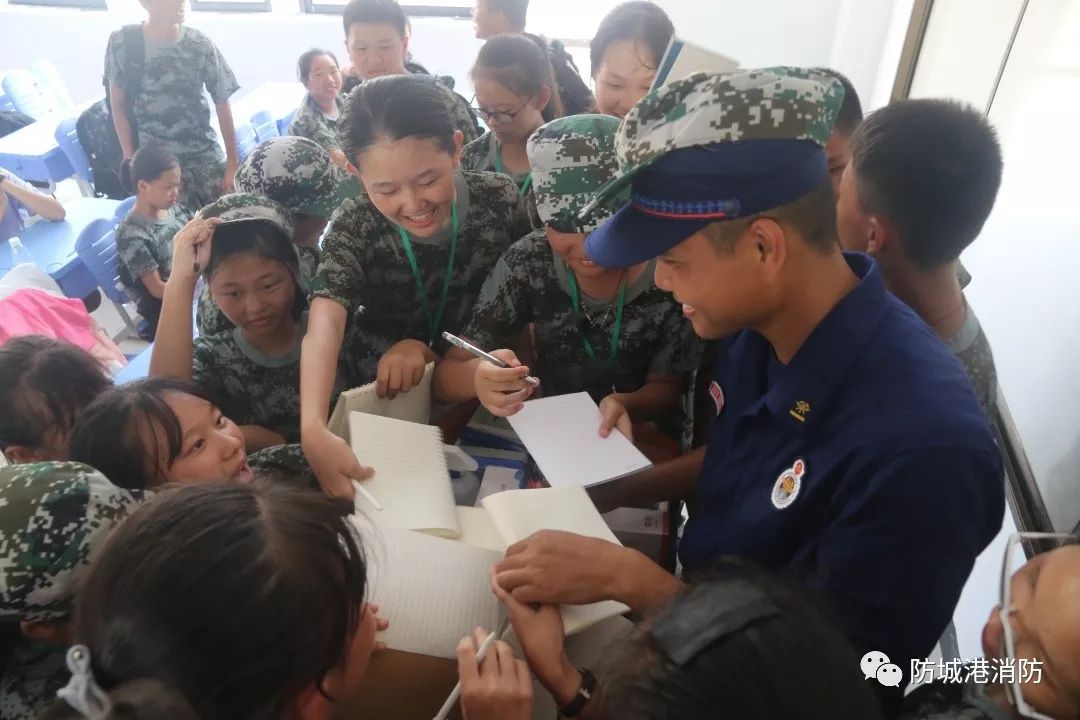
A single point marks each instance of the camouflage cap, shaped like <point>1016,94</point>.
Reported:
<point>297,173</point>
<point>713,147</point>
<point>572,158</point>
<point>249,206</point>
<point>54,519</point>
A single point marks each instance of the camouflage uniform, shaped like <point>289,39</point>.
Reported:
<point>144,245</point>
<point>171,109</point>
<point>571,159</point>
<point>972,349</point>
<point>283,463</point>
<point>363,264</point>
<point>461,113</point>
<point>54,518</point>
<point>311,122</point>
<point>482,154</point>
<point>242,205</point>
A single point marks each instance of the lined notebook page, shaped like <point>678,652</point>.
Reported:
<point>433,591</point>
<point>478,529</point>
<point>517,514</point>
<point>562,435</point>
<point>414,406</point>
<point>411,481</point>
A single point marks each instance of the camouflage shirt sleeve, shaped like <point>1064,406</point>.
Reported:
<point>202,365</point>
<point>115,67</point>
<point>283,463</point>
<point>681,355</point>
<point>133,245</point>
<point>217,75</point>
<point>310,122</point>
<point>504,304</point>
<point>340,276</point>
<point>475,155</point>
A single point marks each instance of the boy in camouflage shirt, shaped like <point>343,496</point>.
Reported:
<point>54,520</point>
<point>377,38</point>
<point>297,174</point>
<point>572,158</point>
<point>144,245</point>
<point>169,107</point>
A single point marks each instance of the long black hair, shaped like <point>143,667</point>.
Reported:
<point>395,107</point>
<point>45,384</point>
<point>262,238</point>
<point>738,644</point>
<point>130,434</point>
<point>236,597</point>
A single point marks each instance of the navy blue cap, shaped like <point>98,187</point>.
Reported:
<point>688,188</point>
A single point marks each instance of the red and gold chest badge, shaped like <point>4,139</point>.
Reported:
<point>717,396</point>
<point>788,485</point>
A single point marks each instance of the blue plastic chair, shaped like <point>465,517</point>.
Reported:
<point>51,84</point>
<point>246,140</point>
<point>6,104</point>
<point>284,123</point>
<point>22,88</point>
<point>265,127</point>
<point>68,140</point>
<point>96,247</point>
<point>124,208</point>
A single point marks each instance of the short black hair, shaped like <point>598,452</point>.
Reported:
<point>395,107</point>
<point>813,215</point>
<point>108,434</point>
<point>932,169</point>
<point>45,384</point>
<point>516,11</point>
<point>149,162</point>
<point>640,21</point>
<point>851,112</point>
<point>747,671</point>
<point>374,12</point>
<point>303,65</point>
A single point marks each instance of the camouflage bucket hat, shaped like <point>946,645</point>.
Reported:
<point>778,103</point>
<point>242,206</point>
<point>297,173</point>
<point>54,519</point>
<point>572,159</point>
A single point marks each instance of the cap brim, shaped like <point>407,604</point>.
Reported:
<point>630,237</point>
<point>604,198</point>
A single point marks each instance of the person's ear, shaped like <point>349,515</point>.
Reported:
<point>47,633</point>
<point>877,235</point>
<point>310,704</point>
<point>459,142</point>
<point>542,98</point>
<point>769,243</point>
<point>20,454</point>
<point>405,47</point>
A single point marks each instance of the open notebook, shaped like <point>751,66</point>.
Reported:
<point>414,406</point>
<point>683,58</point>
<point>562,435</point>
<point>435,591</point>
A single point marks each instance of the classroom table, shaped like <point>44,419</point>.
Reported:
<point>53,245</point>
<point>33,154</point>
<point>136,369</point>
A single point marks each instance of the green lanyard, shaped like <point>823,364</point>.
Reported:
<point>499,168</point>
<point>615,329</point>
<point>434,323</point>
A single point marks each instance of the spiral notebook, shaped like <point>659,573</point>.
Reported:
<point>414,406</point>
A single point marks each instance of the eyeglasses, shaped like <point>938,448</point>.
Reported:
<point>500,117</point>
<point>1013,688</point>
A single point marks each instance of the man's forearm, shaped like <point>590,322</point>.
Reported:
<point>672,480</point>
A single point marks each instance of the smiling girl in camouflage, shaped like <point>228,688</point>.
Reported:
<point>242,244</point>
<point>413,251</point>
<point>516,93</point>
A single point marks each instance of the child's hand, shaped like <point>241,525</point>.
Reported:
<point>615,417</point>
<point>500,688</point>
<point>402,367</point>
<point>191,248</point>
<point>334,463</point>
<point>502,391</point>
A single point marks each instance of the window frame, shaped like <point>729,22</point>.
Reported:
<point>263,6</point>
<point>78,4</point>
<point>463,11</point>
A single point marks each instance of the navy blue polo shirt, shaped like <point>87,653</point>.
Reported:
<point>865,467</point>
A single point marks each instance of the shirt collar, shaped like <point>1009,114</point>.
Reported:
<point>803,387</point>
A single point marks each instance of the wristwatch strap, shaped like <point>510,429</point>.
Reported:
<point>588,685</point>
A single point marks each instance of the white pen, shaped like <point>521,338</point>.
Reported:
<point>485,647</point>
<point>469,347</point>
<point>371,498</point>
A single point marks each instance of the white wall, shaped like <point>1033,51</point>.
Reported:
<point>846,34</point>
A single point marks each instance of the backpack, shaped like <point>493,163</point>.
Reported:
<point>12,120</point>
<point>95,127</point>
